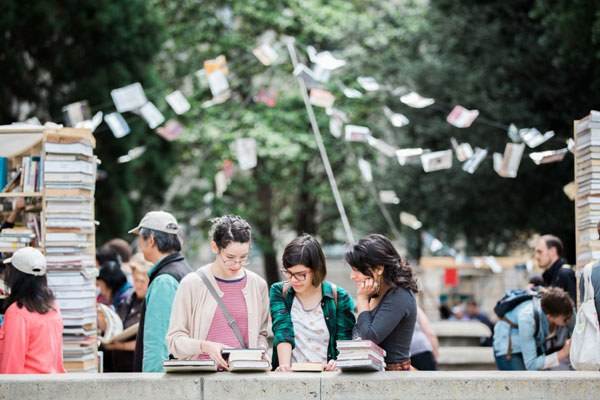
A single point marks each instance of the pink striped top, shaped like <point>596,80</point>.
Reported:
<point>235,302</point>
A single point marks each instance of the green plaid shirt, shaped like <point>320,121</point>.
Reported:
<point>340,320</point>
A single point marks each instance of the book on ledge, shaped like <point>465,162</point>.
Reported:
<point>246,359</point>
<point>307,367</point>
<point>360,355</point>
<point>189,366</point>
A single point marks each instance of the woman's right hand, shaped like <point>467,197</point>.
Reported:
<point>214,351</point>
<point>367,288</point>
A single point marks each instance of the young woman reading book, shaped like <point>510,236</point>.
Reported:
<point>385,300</point>
<point>200,326</point>
<point>309,313</point>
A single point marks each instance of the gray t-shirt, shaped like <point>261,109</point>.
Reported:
<point>595,285</point>
<point>391,324</point>
<point>420,343</point>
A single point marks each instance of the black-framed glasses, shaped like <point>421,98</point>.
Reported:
<point>299,276</point>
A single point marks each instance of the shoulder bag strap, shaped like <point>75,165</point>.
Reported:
<point>230,320</point>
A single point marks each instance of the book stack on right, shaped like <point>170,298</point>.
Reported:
<point>587,178</point>
<point>360,355</point>
<point>68,216</point>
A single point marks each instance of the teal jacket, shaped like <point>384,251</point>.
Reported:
<point>340,319</point>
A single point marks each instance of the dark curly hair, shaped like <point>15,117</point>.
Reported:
<point>228,229</point>
<point>375,250</point>
<point>555,301</point>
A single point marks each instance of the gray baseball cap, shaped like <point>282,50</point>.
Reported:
<point>159,221</point>
<point>29,261</point>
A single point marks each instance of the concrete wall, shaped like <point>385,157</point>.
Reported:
<point>463,385</point>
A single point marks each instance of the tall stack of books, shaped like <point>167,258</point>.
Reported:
<point>360,355</point>
<point>68,216</point>
<point>587,178</point>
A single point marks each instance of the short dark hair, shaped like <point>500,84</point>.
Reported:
<point>107,253</point>
<point>121,247</point>
<point>165,242</point>
<point>553,241</point>
<point>112,275</point>
<point>29,291</point>
<point>555,301</point>
<point>307,251</point>
<point>228,229</point>
<point>377,250</point>
<point>536,280</point>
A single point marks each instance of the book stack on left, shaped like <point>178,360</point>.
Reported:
<point>360,355</point>
<point>69,182</point>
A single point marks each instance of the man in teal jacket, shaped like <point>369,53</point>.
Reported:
<point>160,244</point>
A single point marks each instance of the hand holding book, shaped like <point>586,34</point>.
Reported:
<point>214,351</point>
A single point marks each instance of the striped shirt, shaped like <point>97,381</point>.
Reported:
<point>233,298</point>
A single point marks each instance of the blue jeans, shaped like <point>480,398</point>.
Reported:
<point>516,363</point>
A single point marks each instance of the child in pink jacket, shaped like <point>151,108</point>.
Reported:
<point>31,336</point>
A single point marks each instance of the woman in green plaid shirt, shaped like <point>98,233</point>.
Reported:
<point>309,313</point>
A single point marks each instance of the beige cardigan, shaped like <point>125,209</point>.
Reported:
<point>194,308</point>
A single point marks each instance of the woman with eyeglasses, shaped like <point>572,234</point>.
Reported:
<point>309,313</point>
<point>199,327</point>
<point>385,298</point>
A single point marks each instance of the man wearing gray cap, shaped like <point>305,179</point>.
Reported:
<point>159,242</point>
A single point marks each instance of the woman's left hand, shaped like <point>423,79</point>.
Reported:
<point>367,288</point>
<point>330,366</point>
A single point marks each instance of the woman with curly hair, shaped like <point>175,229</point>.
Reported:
<point>385,302</point>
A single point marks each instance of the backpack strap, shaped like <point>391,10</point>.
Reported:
<point>512,326</point>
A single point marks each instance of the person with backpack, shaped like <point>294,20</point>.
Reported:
<point>523,326</point>
<point>222,304</point>
<point>309,313</point>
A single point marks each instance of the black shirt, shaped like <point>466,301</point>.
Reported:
<point>562,276</point>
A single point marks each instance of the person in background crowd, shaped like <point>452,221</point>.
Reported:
<point>519,338</point>
<point>474,313</point>
<point>424,347</point>
<point>31,336</point>
<point>123,249</point>
<point>18,207</point>
<point>158,240</point>
<point>309,313</point>
<point>458,313</point>
<point>548,255</point>
<point>385,300</point>
<point>118,356</point>
<point>535,281</point>
<point>199,328</point>
<point>445,312</point>
<point>113,285</point>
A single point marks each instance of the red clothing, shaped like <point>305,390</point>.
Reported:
<point>31,343</point>
<point>233,298</point>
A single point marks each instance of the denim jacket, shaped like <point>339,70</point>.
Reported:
<point>523,340</point>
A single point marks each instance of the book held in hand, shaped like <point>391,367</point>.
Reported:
<point>307,367</point>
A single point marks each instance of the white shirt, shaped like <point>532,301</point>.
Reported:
<point>311,333</point>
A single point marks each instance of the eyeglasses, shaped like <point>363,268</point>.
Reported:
<point>299,276</point>
<point>231,262</point>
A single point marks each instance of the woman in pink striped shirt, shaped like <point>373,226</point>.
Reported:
<point>199,329</point>
<point>31,336</point>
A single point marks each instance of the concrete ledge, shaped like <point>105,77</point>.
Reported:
<point>463,385</point>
